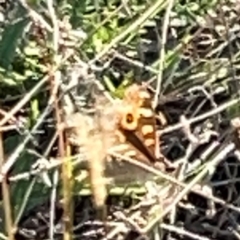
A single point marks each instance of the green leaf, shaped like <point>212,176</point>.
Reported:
<point>19,188</point>
<point>10,78</point>
<point>35,109</point>
<point>10,36</point>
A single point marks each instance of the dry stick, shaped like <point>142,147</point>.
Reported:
<point>134,62</point>
<point>28,192</point>
<point>67,193</point>
<point>52,165</point>
<point>8,128</point>
<point>229,148</point>
<point>115,231</point>
<point>12,120</point>
<point>181,231</point>
<point>162,51</point>
<point>201,117</point>
<point>55,180</point>
<point>6,197</point>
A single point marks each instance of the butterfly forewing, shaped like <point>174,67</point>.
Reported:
<point>137,124</point>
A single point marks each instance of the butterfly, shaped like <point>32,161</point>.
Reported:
<point>135,136</point>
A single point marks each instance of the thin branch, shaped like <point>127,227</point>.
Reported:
<point>208,114</point>
<point>6,197</point>
<point>23,101</point>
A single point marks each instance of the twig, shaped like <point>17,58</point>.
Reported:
<point>23,101</point>
<point>51,165</point>
<point>201,117</point>
<point>115,231</point>
<point>6,197</point>
<point>134,62</point>
<point>182,232</point>
<point>53,202</point>
<point>25,201</point>
<point>8,128</point>
<point>13,157</point>
<point>187,131</point>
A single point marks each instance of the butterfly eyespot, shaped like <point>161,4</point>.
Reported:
<point>129,118</point>
<point>129,121</point>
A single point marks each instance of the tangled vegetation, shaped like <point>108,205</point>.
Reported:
<point>62,56</point>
